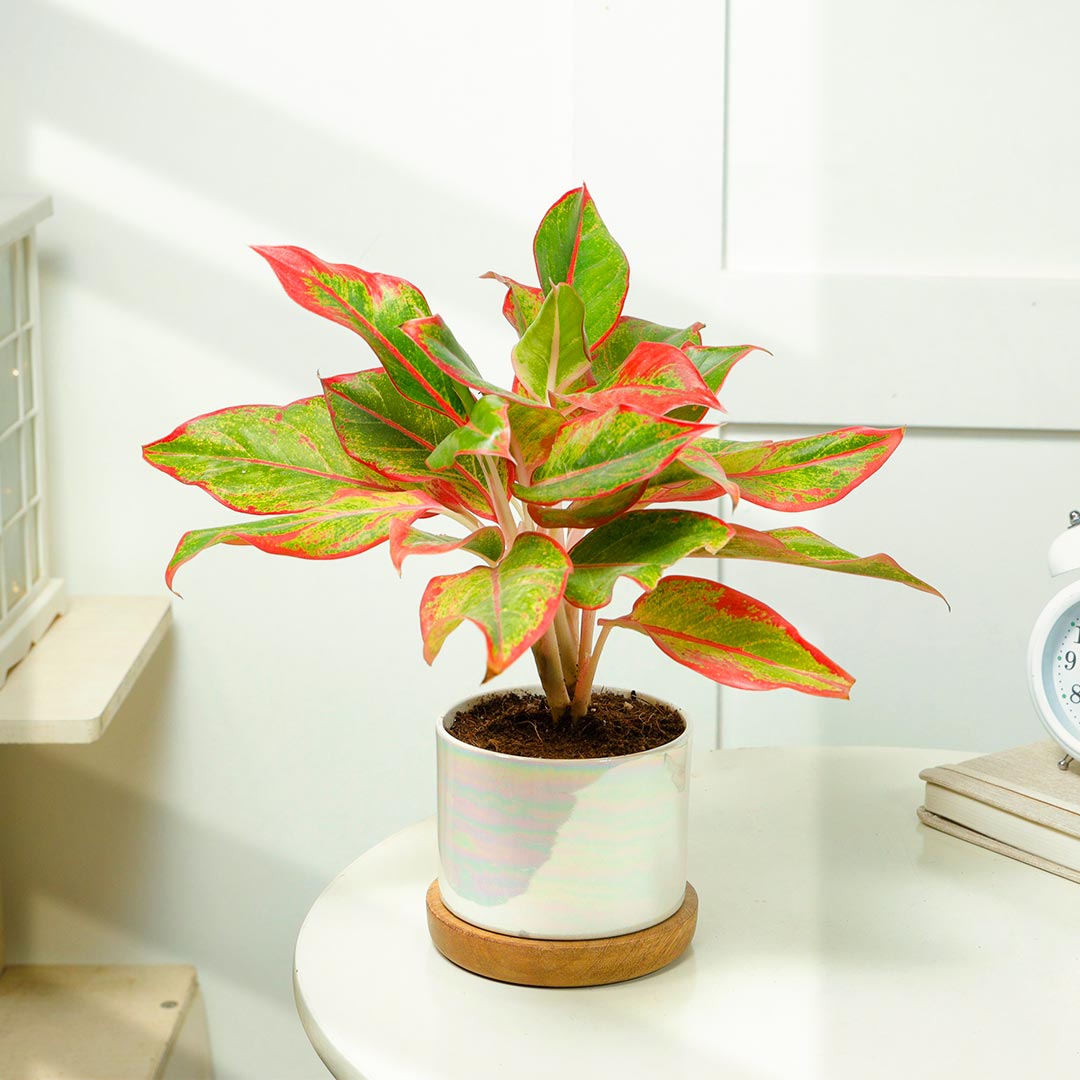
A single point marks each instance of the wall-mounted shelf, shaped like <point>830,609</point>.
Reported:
<point>70,685</point>
<point>103,1022</point>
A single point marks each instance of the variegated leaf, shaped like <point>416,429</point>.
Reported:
<point>800,547</point>
<point>628,333</point>
<point>704,465</point>
<point>406,540</point>
<point>521,304</point>
<point>588,513</point>
<point>533,430</point>
<point>600,453</point>
<point>348,524</point>
<point>715,363</point>
<point>487,433</point>
<point>374,306</point>
<point>655,379</point>
<point>572,245</point>
<point>385,431</point>
<point>435,339</point>
<point>263,459</point>
<point>693,476</point>
<point>804,474</point>
<point>732,639</point>
<point>639,545</point>
<point>512,603</point>
<point>552,354</point>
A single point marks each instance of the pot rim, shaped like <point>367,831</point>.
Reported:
<point>443,732</point>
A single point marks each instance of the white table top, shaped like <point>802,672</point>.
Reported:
<point>837,938</point>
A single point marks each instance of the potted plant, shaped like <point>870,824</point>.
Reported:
<point>563,810</point>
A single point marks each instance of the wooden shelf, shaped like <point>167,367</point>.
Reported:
<point>115,1022</point>
<point>20,213</point>
<point>71,683</point>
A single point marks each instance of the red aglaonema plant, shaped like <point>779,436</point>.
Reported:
<point>558,484</point>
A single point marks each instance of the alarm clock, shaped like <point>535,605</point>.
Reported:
<point>1054,650</point>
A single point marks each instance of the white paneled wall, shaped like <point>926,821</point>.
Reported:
<point>903,233</point>
<point>882,182</point>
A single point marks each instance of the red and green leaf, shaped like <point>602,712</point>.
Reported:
<point>800,547</point>
<point>387,432</point>
<point>373,306</point>
<point>732,639</point>
<point>348,524</point>
<point>639,545</point>
<point>701,464</point>
<point>512,603</point>
<point>601,453</point>
<point>406,540</point>
<point>573,245</point>
<point>486,433</point>
<point>679,482</point>
<point>435,339</point>
<point>521,304</point>
<point>628,333</point>
<point>714,362</point>
<point>804,474</point>
<point>552,354</point>
<point>534,430</point>
<point>588,513</point>
<point>263,459</point>
<point>655,379</point>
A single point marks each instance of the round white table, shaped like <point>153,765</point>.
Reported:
<point>838,937</point>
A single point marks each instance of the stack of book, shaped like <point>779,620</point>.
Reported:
<point>1016,802</point>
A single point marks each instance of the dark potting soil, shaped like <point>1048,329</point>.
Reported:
<point>521,724</point>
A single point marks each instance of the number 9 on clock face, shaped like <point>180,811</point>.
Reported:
<point>1054,668</point>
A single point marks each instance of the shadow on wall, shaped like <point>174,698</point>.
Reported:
<point>128,104</point>
<point>119,851</point>
<point>101,843</point>
<point>103,848</point>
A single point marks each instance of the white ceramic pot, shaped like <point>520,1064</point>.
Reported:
<point>561,848</point>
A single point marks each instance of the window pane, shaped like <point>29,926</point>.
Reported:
<point>22,288</point>
<point>30,457</point>
<point>32,544</point>
<point>15,563</point>
<point>25,378</point>
<point>9,385</point>
<point>7,290</point>
<point>10,475</point>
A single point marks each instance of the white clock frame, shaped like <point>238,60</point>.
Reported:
<point>1058,604</point>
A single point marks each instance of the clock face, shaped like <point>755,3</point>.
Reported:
<point>1054,667</point>
<point>1061,666</point>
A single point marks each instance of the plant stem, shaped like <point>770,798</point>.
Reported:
<point>567,648</point>
<point>546,655</point>
<point>464,518</point>
<point>503,512</point>
<point>583,692</point>
<point>588,625</point>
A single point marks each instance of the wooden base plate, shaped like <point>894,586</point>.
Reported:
<point>536,962</point>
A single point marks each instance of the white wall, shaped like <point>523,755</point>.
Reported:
<point>284,727</point>
<point>902,226</point>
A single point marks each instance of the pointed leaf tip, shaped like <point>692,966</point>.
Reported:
<point>732,639</point>
<point>374,306</point>
<point>806,473</point>
<point>349,523</point>
<point>573,246</point>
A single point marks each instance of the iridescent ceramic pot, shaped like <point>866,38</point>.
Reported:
<point>561,849</point>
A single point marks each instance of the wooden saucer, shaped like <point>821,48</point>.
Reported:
<point>536,962</point>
